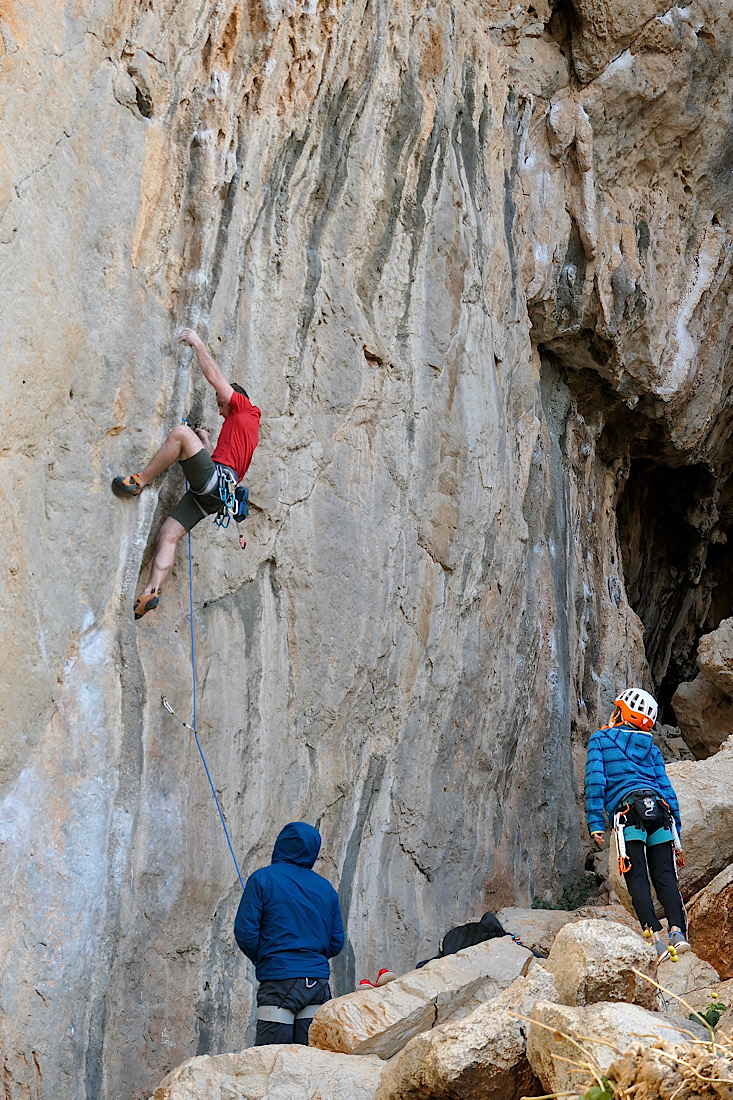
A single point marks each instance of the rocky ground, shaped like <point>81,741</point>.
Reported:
<point>494,1021</point>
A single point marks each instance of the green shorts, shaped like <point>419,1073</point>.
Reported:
<point>191,508</point>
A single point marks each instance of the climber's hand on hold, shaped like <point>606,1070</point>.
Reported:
<point>599,838</point>
<point>188,336</point>
<point>204,437</point>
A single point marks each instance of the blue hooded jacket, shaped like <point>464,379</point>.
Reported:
<point>289,922</point>
<point>622,759</point>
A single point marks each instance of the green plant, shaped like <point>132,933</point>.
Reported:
<point>595,1092</point>
<point>712,1013</point>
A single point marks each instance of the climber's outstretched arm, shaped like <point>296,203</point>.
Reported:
<point>209,367</point>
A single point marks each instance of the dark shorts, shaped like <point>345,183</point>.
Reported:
<point>192,508</point>
<point>294,995</point>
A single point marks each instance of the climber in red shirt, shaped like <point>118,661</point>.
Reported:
<point>205,467</point>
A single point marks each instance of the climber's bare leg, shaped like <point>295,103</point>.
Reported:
<point>182,442</point>
<point>169,536</point>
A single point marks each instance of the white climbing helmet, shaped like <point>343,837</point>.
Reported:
<point>637,707</point>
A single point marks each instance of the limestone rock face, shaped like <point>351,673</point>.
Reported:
<point>485,310</point>
<point>599,1028</point>
<point>710,915</point>
<point>595,960</point>
<point>482,1055</point>
<point>273,1073</point>
<point>380,1021</point>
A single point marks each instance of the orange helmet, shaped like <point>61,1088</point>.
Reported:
<point>638,708</point>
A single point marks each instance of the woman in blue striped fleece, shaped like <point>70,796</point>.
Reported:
<point>625,775</point>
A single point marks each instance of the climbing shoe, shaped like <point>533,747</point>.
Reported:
<point>127,486</point>
<point>385,976</point>
<point>678,942</point>
<point>147,602</point>
<point>365,984</point>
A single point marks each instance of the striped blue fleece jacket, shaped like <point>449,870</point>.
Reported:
<point>623,759</point>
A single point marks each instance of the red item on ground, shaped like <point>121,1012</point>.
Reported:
<point>239,435</point>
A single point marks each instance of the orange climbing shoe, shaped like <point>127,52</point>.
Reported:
<point>147,602</point>
<point>127,486</point>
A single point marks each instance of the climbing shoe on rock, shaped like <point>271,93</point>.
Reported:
<point>678,942</point>
<point>147,602</point>
<point>365,984</point>
<point>127,486</point>
<point>385,976</point>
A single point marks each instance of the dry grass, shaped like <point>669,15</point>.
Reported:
<point>701,1069</point>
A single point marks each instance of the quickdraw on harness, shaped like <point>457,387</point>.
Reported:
<point>234,498</point>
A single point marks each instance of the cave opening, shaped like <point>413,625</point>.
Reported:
<point>675,526</point>
<point>674,517</point>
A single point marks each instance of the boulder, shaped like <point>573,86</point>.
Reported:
<point>704,715</point>
<point>278,1072</point>
<point>683,979</point>
<point>381,1021</point>
<point>704,706</point>
<point>710,915</point>
<point>482,1055</point>
<point>705,792</point>
<point>537,928</point>
<point>594,960</point>
<point>560,1035</point>
<point>715,656</point>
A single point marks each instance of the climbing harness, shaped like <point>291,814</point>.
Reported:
<point>192,728</point>
<point>234,498</point>
<point>273,1015</point>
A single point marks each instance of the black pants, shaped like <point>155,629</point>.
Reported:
<point>291,994</point>
<point>660,860</point>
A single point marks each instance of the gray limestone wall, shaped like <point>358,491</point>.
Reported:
<point>468,284</point>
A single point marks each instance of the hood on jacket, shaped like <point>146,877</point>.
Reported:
<point>297,843</point>
<point>491,926</point>
<point>632,742</point>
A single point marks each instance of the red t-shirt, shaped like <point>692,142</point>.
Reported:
<point>239,435</point>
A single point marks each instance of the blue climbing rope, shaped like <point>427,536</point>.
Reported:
<point>193,728</point>
<point>198,743</point>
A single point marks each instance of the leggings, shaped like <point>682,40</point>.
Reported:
<point>660,860</point>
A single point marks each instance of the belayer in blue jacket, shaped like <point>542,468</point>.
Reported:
<point>289,924</point>
<point>626,780</point>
